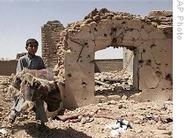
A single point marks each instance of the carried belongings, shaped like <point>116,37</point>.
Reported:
<point>29,86</point>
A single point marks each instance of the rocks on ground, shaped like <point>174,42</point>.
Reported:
<point>148,119</point>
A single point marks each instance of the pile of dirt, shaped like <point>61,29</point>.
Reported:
<point>147,119</point>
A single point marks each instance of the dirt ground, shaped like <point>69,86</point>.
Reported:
<point>147,120</point>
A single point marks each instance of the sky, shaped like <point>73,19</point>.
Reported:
<point>22,19</point>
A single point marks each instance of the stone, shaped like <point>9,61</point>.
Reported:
<point>88,21</point>
<point>114,97</point>
<point>83,120</point>
<point>124,97</point>
<point>101,99</point>
<point>112,102</point>
<point>80,117</point>
<point>1,109</point>
<point>120,106</point>
<point>96,18</point>
<point>161,127</point>
<point>91,114</point>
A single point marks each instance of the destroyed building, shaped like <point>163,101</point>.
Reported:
<point>144,75</point>
<point>147,43</point>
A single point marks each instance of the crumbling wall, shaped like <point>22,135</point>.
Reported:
<point>8,67</point>
<point>50,37</point>
<point>150,38</point>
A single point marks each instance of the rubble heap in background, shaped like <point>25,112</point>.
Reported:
<point>113,80</point>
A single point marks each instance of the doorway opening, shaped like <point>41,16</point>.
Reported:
<point>116,73</point>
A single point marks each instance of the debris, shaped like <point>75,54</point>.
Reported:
<point>83,120</point>
<point>3,131</point>
<point>151,117</point>
<point>114,80</point>
<point>81,116</point>
<point>100,114</point>
<point>68,117</point>
<point>119,127</point>
<point>166,120</point>
<point>124,97</point>
<point>102,83</point>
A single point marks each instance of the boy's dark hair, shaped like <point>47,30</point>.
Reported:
<point>31,40</point>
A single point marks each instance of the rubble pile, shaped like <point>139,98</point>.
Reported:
<point>4,83</point>
<point>5,104</point>
<point>113,80</point>
<point>5,97</point>
<point>147,119</point>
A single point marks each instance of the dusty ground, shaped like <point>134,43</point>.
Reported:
<point>148,120</point>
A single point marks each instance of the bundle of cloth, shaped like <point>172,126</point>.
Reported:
<point>34,90</point>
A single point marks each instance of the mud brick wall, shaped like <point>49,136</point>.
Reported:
<point>8,67</point>
<point>107,65</point>
<point>50,38</point>
<point>149,37</point>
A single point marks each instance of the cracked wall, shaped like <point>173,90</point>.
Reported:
<point>149,36</point>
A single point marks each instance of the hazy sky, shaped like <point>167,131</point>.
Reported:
<point>22,19</point>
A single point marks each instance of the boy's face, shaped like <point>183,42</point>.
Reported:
<point>32,48</point>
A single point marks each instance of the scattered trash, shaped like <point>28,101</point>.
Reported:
<point>123,123</point>
<point>167,120</point>
<point>119,127</point>
<point>3,131</point>
<point>151,117</point>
